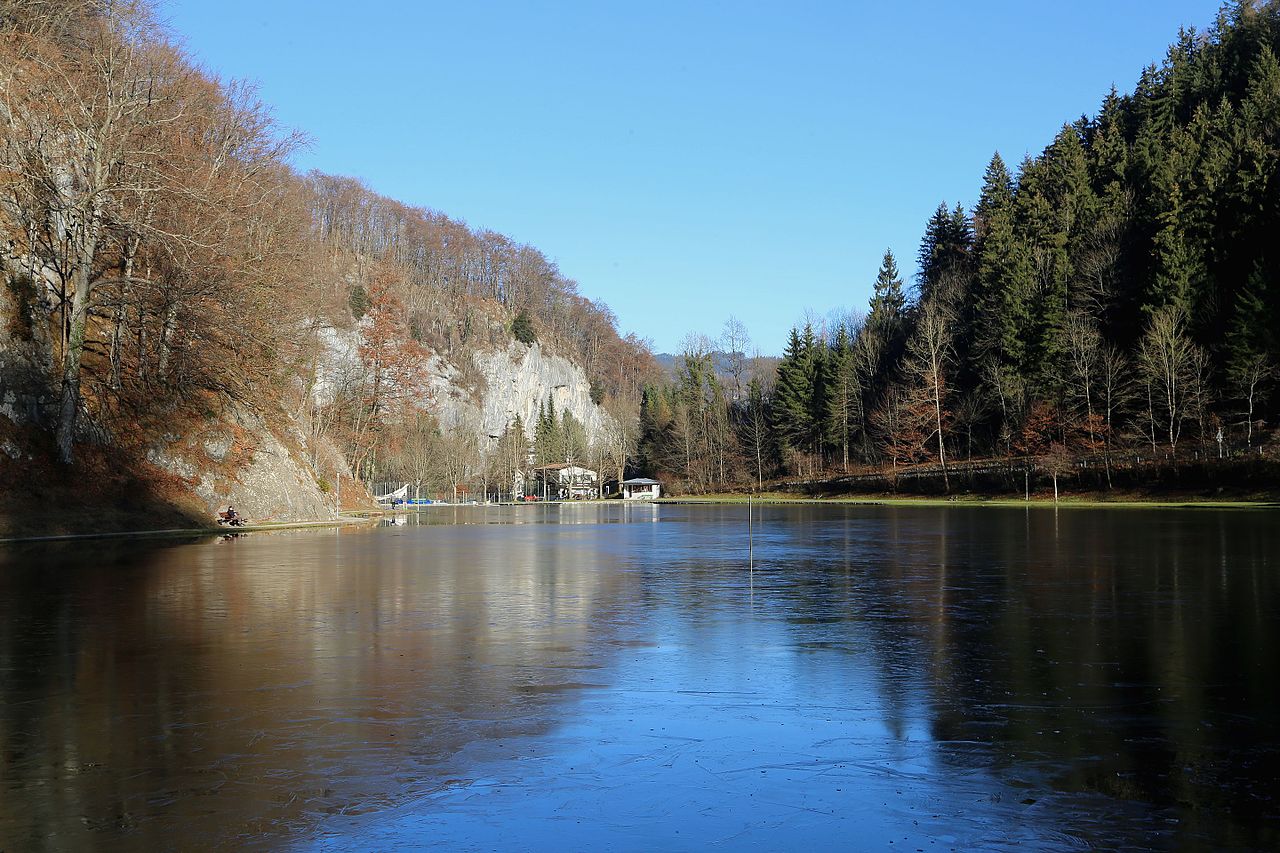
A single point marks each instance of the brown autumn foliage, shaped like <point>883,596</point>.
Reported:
<point>167,260</point>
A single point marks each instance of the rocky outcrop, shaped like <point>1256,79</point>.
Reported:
<point>234,458</point>
<point>510,382</point>
<point>521,378</point>
<point>238,460</point>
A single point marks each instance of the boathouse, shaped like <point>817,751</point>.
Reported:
<point>640,489</point>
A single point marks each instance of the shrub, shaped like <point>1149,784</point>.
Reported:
<point>522,328</point>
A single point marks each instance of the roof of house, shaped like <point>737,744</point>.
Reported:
<point>641,481</point>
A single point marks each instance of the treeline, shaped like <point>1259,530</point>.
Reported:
<point>458,463</point>
<point>162,258</point>
<point>1120,289</point>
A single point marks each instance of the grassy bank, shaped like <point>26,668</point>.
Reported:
<point>1112,501</point>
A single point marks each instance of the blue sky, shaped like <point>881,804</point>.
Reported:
<point>685,161</point>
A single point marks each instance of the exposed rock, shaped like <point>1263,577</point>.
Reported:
<point>515,381</point>
<point>217,446</point>
<point>271,485</point>
<point>520,378</point>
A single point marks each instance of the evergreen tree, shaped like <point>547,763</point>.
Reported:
<point>888,300</point>
<point>931,257</point>
<point>1005,278</point>
<point>548,435</point>
<point>522,328</point>
<point>1251,333</point>
<point>1099,294</point>
<point>799,401</point>
<point>844,394</point>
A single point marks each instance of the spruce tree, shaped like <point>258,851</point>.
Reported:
<point>548,443</point>
<point>888,299</point>
<point>1005,277</point>
<point>945,256</point>
<point>843,394</point>
<point>799,407</point>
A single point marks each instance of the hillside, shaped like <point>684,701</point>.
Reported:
<point>183,310</point>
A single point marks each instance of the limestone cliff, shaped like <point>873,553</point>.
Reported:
<point>238,459</point>
<point>516,381</point>
<point>501,384</point>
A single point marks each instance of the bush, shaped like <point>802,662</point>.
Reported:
<point>522,328</point>
<point>359,301</point>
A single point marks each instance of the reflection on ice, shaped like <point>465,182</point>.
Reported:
<point>644,677</point>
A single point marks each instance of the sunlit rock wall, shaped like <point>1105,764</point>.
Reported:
<point>519,379</point>
<point>512,381</point>
<point>238,460</point>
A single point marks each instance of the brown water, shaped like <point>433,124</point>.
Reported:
<point>618,677</point>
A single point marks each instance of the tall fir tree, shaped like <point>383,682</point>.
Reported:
<point>799,402</point>
<point>1005,278</point>
<point>888,299</point>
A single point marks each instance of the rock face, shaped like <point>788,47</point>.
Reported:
<point>519,379</point>
<point>266,484</point>
<point>513,381</point>
<point>235,458</point>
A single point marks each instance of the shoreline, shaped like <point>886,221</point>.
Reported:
<point>722,499</point>
<point>1036,501</point>
<point>189,532</point>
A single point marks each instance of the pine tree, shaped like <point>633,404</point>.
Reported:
<point>522,328</point>
<point>1005,277</point>
<point>548,438</point>
<point>945,256</point>
<point>799,403</point>
<point>932,255</point>
<point>844,394</point>
<point>888,300</point>
<point>1251,333</point>
<point>995,199</point>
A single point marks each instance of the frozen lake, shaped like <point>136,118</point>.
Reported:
<point>587,677</point>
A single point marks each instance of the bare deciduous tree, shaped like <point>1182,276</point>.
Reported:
<point>1170,363</point>
<point>929,352</point>
<point>1251,377</point>
<point>735,340</point>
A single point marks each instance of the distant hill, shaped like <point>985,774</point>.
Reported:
<point>765,364</point>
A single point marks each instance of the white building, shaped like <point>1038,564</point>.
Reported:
<point>566,482</point>
<point>640,489</point>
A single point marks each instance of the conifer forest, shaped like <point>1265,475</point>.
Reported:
<point>1108,308</point>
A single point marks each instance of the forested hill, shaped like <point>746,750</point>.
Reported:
<point>162,261</point>
<point>1121,288</point>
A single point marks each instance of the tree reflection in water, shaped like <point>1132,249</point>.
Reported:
<point>593,676</point>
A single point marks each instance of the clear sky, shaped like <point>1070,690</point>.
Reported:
<point>684,161</point>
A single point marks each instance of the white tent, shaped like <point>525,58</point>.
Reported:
<point>398,495</point>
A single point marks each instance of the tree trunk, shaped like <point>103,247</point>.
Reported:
<point>82,284</point>
<point>167,329</point>
<point>942,453</point>
<point>1249,422</point>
